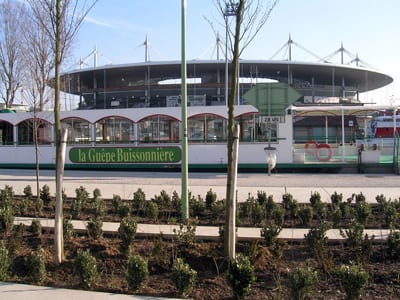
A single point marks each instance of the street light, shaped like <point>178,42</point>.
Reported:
<point>230,10</point>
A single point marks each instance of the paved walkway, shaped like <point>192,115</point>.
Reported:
<point>12,291</point>
<point>125,184</point>
<point>204,232</point>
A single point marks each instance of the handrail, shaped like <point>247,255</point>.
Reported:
<point>396,152</point>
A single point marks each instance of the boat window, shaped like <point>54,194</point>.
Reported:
<point>26,132</point>
<point>207,128</point>
<point>158,129</point>
<point>247,127</point>
<point>78,131</point>
<point>267,131</point>
<point>6,133</point>
<point>114,130</point>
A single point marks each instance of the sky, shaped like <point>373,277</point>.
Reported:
<point>368,28</point>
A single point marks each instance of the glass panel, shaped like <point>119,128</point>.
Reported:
<point>26,134</point>
<point>247,127</point>
<point>114,130</point>
<point>6,133</point>
<point>159,129</point>
<point>196,129</point>
<point>207,128</point>
<point>267,132</point>
<point>78,131</point>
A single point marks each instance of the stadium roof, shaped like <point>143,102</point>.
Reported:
<point>323,74</point>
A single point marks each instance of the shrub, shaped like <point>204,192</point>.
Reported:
<point>362,211</point>
<point>336,199</point>
<point>23,206</point>
<point>78,204</point>
<point>139,200</point>
<point>99,207</point>
<point>218,210</point>
<point>82,195</point>
<point>270,233</point>
<point>183,276</point>
<point>160,252</point>
<point>269,205</point>
<point>152,210</point>
<point>124,209</point>
<point>391,213</point>
<point>37,266</point>
<point>127,231</point>
<point>211,197</point>
<point>96,193</point>
<point>38,207</point>
<point>306,215</point>
<point>353,279</point>
<point>278,215</point>
<point>241,275</point>
<point>36,227</point>
<point>301,281</point>
<point>45,195</point>
<point>354,234</point>
<point>16,239</point>
<point>136,271</point>
<point>6,209</point>
<point>316,241</point>
<point>76,208</point>
<point>196,206</point>
<point>262,197</point>
<point>95,227</point>
<point>6,219</point>
<point>176,202</point>
<point>5,262</point>
<point>163,200</point>
<point>290,204</point>
<point>28,192</point>
<point>68,229</point>
<point>186,234</point>
<point>116,202</point>
<point>393,244</point>
<point>86,267</point>
<point>317,204</point>
<point>253,210</point>
<point>6,196</point>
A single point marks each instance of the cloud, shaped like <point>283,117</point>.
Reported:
<point>114,24</point>
<point>99,22</point>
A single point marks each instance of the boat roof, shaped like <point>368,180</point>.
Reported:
<point>335,110</point>
<point>133,114</point>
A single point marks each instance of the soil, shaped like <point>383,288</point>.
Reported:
<point>273,265</point>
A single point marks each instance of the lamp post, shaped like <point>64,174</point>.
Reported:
<point>184,164</point>
<point>230,10</point>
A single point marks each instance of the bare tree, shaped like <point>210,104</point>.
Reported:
<point>250,17</point>
<point>40,63</point>
<point>64,18</point>
<point>12,19</point>
<point>39,58</point>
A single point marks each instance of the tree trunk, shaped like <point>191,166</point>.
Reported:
<point>58,237</point>
<point>230,197</point>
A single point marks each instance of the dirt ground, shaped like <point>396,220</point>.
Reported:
<point>273,265</point>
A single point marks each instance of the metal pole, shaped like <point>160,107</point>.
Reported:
<point>184,142</point>
<point>226,59</point>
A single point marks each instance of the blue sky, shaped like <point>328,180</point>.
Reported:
<point>370,28</point>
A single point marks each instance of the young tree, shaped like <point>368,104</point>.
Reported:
<point>40,64</point>
<point>250,16</point>
<point>62,22</point>
<point>12,24</point>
